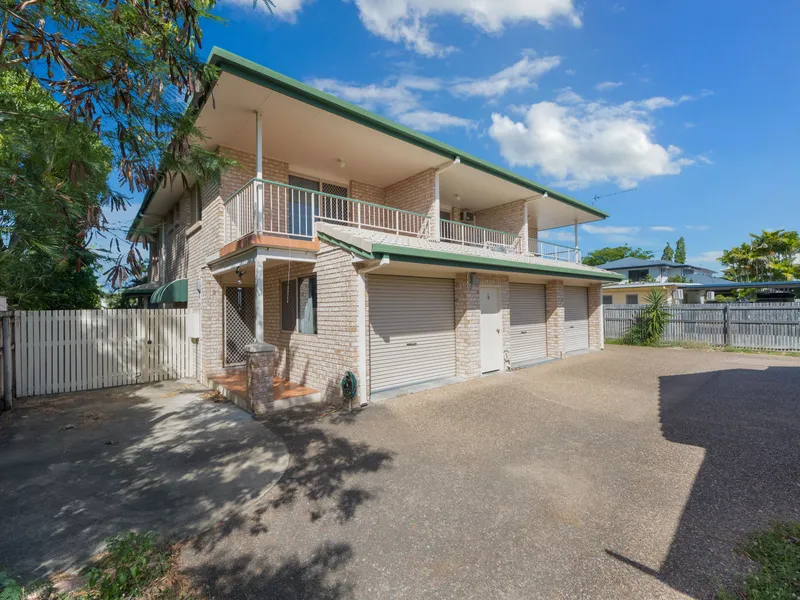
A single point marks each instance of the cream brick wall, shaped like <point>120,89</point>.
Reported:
<point>235,178</point>
<point>366,192</point>
<point>595,292</point>
<point>554,311</point>
<point>468,327</point>
<point>506,217</point>
<point>319,361</point>
<point>417,194</point>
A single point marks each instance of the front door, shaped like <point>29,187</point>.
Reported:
<point>491,330</point>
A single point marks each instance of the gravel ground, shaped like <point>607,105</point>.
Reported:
<point>631,473</point>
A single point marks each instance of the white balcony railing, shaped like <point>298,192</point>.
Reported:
<point>553,251</point>
<point>471,235</point>
<point>293,211</point>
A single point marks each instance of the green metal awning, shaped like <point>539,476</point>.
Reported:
<point>174,291</point>
<point>144,289</point>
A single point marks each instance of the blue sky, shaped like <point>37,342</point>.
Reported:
<point>697,104</point>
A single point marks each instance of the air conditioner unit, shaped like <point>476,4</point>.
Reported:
<point>467,216</point>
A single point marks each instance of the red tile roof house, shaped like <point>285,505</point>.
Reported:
<point>345,242</point>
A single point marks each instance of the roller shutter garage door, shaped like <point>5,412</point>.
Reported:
<point>576,319</point>
<point>528,323</point>
<point>412,330</point>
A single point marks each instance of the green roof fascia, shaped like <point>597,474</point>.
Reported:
<point>174,291</point>
<point>251,71</point>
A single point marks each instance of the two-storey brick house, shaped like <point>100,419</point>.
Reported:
<point>351,243</point>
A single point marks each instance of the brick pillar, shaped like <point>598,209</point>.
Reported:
<point>260,369</point>
<point>468,327</point>
<point>596,341</point>
<point>554,309</point>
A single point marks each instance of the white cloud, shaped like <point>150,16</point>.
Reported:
<point>579,142</point>
<point>426,120</point>
<point>571,72</point>
<point>698,227</point>
<point>401,100</point>
<point>557,236</point>
<point>709,260</point>
<point>605,86</point>
<point>704,159</point>
<point>395,99</point>
<point>409,21</point>
<point>519,76</point>
<point>662,228</point>
<point>609,229</point>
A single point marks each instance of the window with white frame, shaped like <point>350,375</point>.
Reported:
<point>299,305</point>
<point>608,299</point>
<point>195,204</point>
<point>632,299</point>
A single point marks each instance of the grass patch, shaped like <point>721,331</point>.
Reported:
<point>777,554</point>
<point>699,346</point>
<point>134,566</point>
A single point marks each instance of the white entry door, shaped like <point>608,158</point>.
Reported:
<point>491,330</point>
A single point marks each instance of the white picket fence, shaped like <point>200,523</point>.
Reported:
<point>73,350</point>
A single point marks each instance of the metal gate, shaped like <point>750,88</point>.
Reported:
<point>73,350</point>
<point>240,323</point>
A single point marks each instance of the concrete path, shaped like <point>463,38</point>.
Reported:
<point>78,468</point>
<point>631,473</point>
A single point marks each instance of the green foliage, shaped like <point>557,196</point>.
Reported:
<point>604,255</point>
<point>777,552</point>
<point>678,279</point>
<point>680,251</point>
<point>124,74</point>
<point>10,589</point>
<point>769,256</point>
<point>134,562</point>
<point>648,279</point>
<point>668,253</point>
<point>52,187</point>
<point>651,322</point>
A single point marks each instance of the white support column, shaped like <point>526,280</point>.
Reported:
<point>361,299</point>
<point>525,233</point>
<point>259,187</point>
<point>259,147</point>
<point>437,206</point>
<point>259,281</point>
<point>576,242</point>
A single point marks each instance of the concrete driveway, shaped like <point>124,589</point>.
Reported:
<point>631,473</point>
<point>78,468</point>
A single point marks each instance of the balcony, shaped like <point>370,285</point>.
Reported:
<point>270,208</point>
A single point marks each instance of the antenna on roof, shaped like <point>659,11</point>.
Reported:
<point>596,197</point>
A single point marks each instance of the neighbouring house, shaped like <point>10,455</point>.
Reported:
<point>638,270</point>
<point>642,276</point>
<point>345,242</point>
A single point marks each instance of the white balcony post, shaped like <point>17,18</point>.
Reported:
<point>575,252</point>
<point>523,246</point>
<point>259,187</point>
<point>259,281</point>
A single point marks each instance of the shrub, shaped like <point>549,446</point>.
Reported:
<point>652,322</point>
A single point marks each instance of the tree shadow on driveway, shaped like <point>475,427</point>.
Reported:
<point>78,468</point>
<point>748,422</point>
<point>229,562</point>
